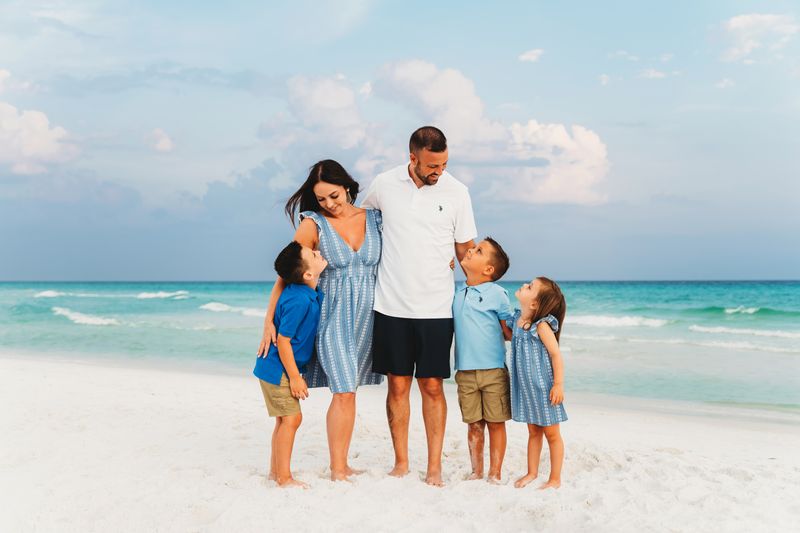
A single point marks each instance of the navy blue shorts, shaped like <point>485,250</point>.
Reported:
<point>418,347</point>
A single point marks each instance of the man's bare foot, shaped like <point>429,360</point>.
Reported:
<point>474,476</point>
<point>292,483</point>
<point>551,484</point>
<point>524,480</point>
<point>494,479</point>
<point>434,479</point>
<point>399,470</point>
<point>353,471</point>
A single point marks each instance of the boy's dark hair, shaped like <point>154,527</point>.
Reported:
<point>499,260</point>
<point>427,137</point>
<point>290,264</point>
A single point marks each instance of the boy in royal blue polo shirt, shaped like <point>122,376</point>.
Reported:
<point>278,370</point>
<point>480,307</point>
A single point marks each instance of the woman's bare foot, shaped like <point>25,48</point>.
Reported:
<point>474,476</point>
<point>434,479</point>
<point>292,483</point>
<point>353,471</point>
<point>524,480</point>
<point>399,470</point>
<point>551,484</point>
<point>340,475</point>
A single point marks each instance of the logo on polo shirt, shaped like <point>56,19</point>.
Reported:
<point>440,208</point>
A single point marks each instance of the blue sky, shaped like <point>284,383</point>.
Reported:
<point>614,140</point>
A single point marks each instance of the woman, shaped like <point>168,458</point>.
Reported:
<point>349,239</point>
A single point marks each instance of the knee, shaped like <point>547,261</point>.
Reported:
<point>476,427</point>
<point>496,426</point>
<point>399,386</point>
<point>292,421</point>
<point>344,399</point>
<point>431,387</point>
<point>552,433</point>
<point>535,431</point>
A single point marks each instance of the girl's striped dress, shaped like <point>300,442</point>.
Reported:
<point>343,358</point>
<point>531,374</point>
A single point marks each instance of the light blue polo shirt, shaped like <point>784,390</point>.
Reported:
<point>296,317</point>
<point>477,312</point>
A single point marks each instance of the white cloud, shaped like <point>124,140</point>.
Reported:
<point>756,31</point>
<point>652,74</point>
<point>28,143</point>
<point>724,83</point>
<point>366,89</point>
<point>666,57</point>
<point>623,54</point>
<point>10,83</point>
<point>529,162</point>
<point>531,56</point>
<point>604,79</point>
<point>160,141</point>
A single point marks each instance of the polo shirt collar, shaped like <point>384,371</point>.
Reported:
<point>304,289</point>
<point>480,287</point>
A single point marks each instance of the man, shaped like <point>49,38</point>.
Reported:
<point>426,213</point>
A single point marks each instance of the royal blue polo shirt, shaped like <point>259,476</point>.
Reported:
<point>296,317</point>
<point>477,312</point>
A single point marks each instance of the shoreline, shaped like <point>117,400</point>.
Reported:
<point>89,447</point>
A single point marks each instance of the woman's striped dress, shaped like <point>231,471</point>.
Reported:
<point>343,358</point>
<point>531,374</point>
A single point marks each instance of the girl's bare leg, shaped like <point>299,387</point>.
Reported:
<point>535,434</point>
<point>556,445</point>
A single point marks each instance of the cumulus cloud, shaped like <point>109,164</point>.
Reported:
<point>652,74</point>
<point>623,54</point>
<point>755,31</point>
<point>531,56</point>
<point>666,57</point>
<point>28,143</point>
<point>724,83</point>
<point>160,141</point>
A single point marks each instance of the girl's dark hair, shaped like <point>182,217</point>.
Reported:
<point>328,171</point>
<point>551,302</point>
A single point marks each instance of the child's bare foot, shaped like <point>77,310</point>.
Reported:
<point>551,484</point>
<point>272,476</point>
<point>474,476</point>
<point>340,475</point>
<point>494,479</point>
<point>524,480</point>
<point>434,479</point>
<point>399,470</point>
<point>292,483</point>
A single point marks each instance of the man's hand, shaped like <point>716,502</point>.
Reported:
<point>298,387</point>
<point>557,394</point>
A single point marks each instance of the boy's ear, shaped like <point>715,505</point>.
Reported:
<point>488,270</point>
<point>308,275</point>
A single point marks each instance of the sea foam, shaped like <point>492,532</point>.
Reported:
<point>177,295</point>
<point>742,309</point>
<point>48,294</point>
<point>744,331</point>
<point>81,318</point>
<point>604,321</point>
<point>218,307</point>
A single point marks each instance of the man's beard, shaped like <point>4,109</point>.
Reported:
<point>424,179</point>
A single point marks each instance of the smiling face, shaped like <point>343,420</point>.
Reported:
<point>528,294</point>
<point>332,198</point>
<point>428,166</point>
<point>314,264</point>
<point>478,259</point>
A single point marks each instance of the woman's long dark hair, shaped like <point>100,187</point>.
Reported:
<point>328,171</point>
<point>550,302</point>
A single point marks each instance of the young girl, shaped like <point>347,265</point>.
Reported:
<point>537,374</point>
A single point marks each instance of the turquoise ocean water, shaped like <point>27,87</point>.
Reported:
<point>734,343</point>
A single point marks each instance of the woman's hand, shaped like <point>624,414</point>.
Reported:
<point>298,387</point>
<point>267,339</point>
<point>557,394</point>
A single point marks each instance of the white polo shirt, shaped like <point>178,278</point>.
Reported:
<point>420,228</point>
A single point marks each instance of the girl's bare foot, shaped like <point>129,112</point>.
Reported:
<point>494,479</point>
<point>292,483</point>
<point>551,484</point>
<point>524,480</point>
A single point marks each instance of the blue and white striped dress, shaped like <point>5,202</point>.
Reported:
<point>343,358</point>
<point>531,374</point>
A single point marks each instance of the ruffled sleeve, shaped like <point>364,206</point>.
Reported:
<point>511,321</point>
<point>376,214</point>
<point>316,217</point>
<point>550,319</point>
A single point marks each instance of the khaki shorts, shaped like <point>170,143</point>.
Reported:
<point>279,399</point>
<point>484,395</point>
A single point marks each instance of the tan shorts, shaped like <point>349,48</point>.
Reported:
<point>279,399</point>
<point>484,395</point>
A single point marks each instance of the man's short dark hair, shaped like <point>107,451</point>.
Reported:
<point>427,137</point>
<point>499,260</point>
<point>290,264</point>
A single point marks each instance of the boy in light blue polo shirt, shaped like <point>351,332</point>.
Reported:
<point>480,308</point>
<point>279,368</point>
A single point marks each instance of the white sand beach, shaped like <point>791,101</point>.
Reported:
<point>92,447</point>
